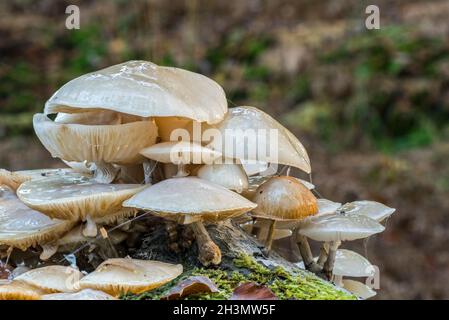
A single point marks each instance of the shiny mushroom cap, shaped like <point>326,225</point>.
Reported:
<point>46,173</point>
<point>231,176</point>
<point>22,227</point>
<point>86,294</point>
<point>95,143</point>
<point>52,279</point>
<point>17,290</point>
<point>245,126</point>
<point>75,197</point>
<point>181,152</point>
<point>338,227</point>
<point>372,209</point>
<point>190,197</point>
<point>351,264</point>
<point>120,276</point>
<point>284,198</point>
<point>143,89</point>
<point>358,288</point>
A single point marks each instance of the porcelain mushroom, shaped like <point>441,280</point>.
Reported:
<point>101,145</point>
<point>335,228</point>
<point>22,227</point>
<point>121,276</point>
<point>76,198</point>
<point>359,289</point>
<point>284,200</point>
<point>229,175</point>
<point>372,209</point>
<point>86,294</point>
<point>248,133</point>
<point>191,200</point>
<point>180,153</point>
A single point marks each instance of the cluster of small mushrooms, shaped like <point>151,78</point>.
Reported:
<point>135,139</point>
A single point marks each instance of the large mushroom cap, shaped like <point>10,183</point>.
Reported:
<point>86,294</point>
<point>231,176</point>
<point>372,209</point>
<point>118,276</point>
<point>75,197</point>
<point>284,198</point>
<point>143,89</point>
<point>17,290</point>
<point>190,196</point>
<point>338,227</point>
<point>52,278</point>
<point>241,131</point>
<point>351,264</point>
<point>22,227</point>
<point>46,173</point>
<point>180,152</point>
<point>95,143</point>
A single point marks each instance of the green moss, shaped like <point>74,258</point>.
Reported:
<point>299,285</point>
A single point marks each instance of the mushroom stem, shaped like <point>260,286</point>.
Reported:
<point>148,169</point>
<point>105,172</point>
<point>338,280</point>
<point>269,240</point>
<point>8,254</point>
<point>172,231</point>
<point>90,229</point>
<point>182,172</point>
<point>208,251</point>
<point>324,251</point>
<point>48,250</point>
<point>306,254</point>
<point>329,264</point>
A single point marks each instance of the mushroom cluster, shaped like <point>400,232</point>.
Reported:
<point>141,139</point>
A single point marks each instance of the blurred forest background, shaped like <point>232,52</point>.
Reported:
<point>371,106</point>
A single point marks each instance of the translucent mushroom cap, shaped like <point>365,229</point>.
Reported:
<point>231,176</point>
<point>74,197</point>
<point>52,279</point>
<point>190,197</point>
<point>119,276</point>
<point>358,288</point>
<point>86,294</point>
<point>22,227</point>
<point>338,227</point>
<point>284,198</point>
<point>11,179</point>
<point>17,290</point>
<point>143,89</point>
<point>351,264</point>
<point>119,143</point>
<point>374,210</point>
<point>103,117</point>
<point>180,152</point>
<point>244,128</point>
<point>326,206</point>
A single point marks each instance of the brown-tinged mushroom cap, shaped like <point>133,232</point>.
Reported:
<point>118,144</point>
<point>229,175</point>
<point>143,89</point>
<point>191,197</point>
<point>75,197</point>
<point>12,179</point>
<point>52,279</point>
<point>86,294</point>
<point>243,127</point>
<point>22,227</point>
<point>284,198</point>
<point>118,276</point>
<point>17,290</point>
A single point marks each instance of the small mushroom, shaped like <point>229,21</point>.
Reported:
<point>359,289</point>
<point>17,290</point>
<point>229,175</point>
<point>284,200</point>
<point>372,209</point>
<point>121,276</point>
<point>52,279</point>
<point>191,200</point>
<point>75,198</point>
<point>22,227</point>
<point>102,145</point>
<point>180,153</point>
<point>86,294</point>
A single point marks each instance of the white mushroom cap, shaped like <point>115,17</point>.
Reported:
<point>75,197</point>
<point>326,206</point>
<point>190,197</point>
<point>143,89</point>
<point>22,227</point>
<point>307,184</point>
<point>254,167</point>
<point>103,117</point>
<point>100,143</point>
<point>252,120</point>
<point>231,176</point>
<point>372,209</point>
<point>86,294</point>
<point>338,227</point>
<point>181,152</point>
<point>52,278</point>
<point>351,264</point>
<point>16,290</point>
<point>117,276</point>
<point>359,289</point>
<point>45,173</point>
